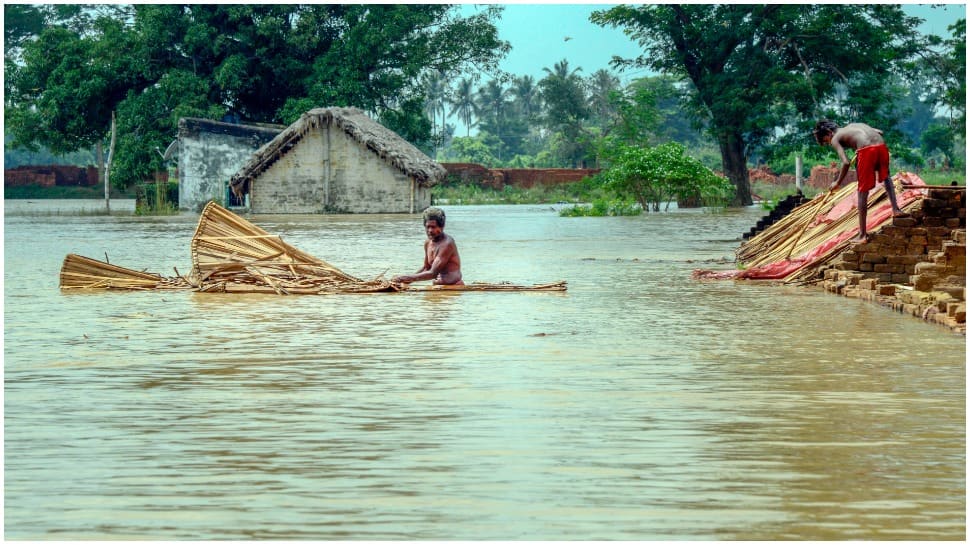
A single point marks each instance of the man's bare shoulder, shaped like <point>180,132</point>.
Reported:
<point>857,135</point>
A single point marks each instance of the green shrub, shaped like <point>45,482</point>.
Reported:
<point>602,207</point>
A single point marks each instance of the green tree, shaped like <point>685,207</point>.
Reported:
<point>270,63</point>
<point>946,84</point>
<point>602,86</point>
<point>463,103</point>
<point>938,137</point>
<point>661,174</point>
<point>474,149</point>
<point>754,68</point>
<point>566,108</point>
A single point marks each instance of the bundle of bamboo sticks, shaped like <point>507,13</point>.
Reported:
<point>231,254</point>
<point>802,231</point>
<point>81,273</point>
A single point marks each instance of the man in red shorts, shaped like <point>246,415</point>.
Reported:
<point>872,160</point>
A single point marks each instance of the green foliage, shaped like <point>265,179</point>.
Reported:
<point>938,138</point>
<point>754,68</point>
<point>14,157</point>
<point>156,199</point>
<point>473,149</point>
<point>457,192</point>
<point>602,207</point>
<point>659,175</point>
<point>153,63</point>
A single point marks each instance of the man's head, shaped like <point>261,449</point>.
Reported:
<point>434,221</point>
<point>824,130</point>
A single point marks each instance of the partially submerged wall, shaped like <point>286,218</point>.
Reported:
<point>497,178</point>
<point>330,172</point>
<point>50,176</point>
<point>210,152</point>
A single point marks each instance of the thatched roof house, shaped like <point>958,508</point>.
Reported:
<point>337,160</point>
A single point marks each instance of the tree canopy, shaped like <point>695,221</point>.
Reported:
<point>155,63</point>
<point>758,68</point>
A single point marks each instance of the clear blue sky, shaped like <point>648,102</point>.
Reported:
<point>538,35</point>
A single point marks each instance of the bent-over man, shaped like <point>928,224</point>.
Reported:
<point>442,265</point>
<point>872,163</point>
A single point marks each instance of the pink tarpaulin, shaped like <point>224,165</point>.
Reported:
<point>876,217</point>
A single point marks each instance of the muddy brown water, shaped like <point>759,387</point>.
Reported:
<point>639,405</point>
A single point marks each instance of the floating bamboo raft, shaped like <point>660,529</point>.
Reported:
<point>231,255</point>
<point>816,233</point>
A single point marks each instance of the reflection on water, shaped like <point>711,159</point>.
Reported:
<point>639,405</point>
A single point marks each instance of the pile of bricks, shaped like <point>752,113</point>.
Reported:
<point>916,266</point>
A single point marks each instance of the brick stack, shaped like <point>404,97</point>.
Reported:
<point>916,266</point>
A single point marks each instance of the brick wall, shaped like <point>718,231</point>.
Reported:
<point>497,178</point>
<point>50,176</point>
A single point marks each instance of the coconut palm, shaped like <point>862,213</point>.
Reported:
<point>601,85</point>
<point>462,103</point>
<point>436,94</point>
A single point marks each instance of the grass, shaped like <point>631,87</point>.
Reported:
<point>470,193</point>
<point>939,177</point>
<point>37,192</point>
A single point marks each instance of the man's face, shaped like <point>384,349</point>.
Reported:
<point>826,138</point>
<point>432,228</point>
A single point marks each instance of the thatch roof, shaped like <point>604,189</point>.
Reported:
<point>358,125</point>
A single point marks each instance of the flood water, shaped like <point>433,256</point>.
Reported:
<point>639,405</point>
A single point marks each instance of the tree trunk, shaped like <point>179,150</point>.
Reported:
<point>107,170</point>
<point>99,152</point>
<point>735,165</point>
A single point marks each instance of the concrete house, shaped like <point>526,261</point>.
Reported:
<point>337,160</point>
<point>209,153</point>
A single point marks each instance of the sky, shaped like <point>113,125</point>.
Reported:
<point>538,34</point>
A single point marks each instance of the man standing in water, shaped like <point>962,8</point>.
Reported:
<point>442,264</point>
<point>872,158</point>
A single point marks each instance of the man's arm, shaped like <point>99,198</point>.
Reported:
<point>430,271</point>
<point>846,164</point>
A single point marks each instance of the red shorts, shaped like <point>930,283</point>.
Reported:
<point>869,160</point>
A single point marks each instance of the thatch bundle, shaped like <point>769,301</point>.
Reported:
<point>230,254</point>
<point>83,273</point>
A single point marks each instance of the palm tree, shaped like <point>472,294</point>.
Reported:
<point>601,84</point>
<point>526,96</point>
<point>565,108</point>
<point>436,91</point>
<point>492,101</point>
<point>561,70</point>
<point>463,103</point>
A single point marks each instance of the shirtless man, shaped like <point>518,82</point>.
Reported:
<point>441,262</point>
<point>872,158</point>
